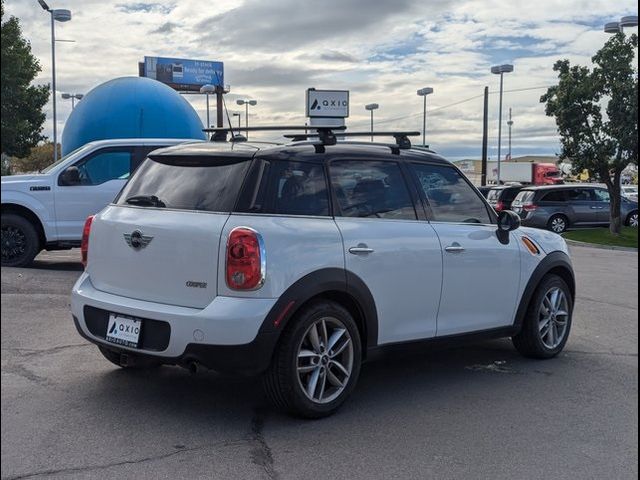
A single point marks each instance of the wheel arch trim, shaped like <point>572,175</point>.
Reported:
<point>558,263</point>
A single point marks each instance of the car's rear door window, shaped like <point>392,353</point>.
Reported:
<point>285,188</point>
<point>557,196</point>
<point>580,195</point>
<point>371,189</point>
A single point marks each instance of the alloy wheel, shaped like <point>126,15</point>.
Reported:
<point>554,318</point>
<point>13,243</point>
<point>633,220</point>
<point>324,360</point>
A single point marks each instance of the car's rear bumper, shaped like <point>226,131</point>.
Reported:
<point>227,335</point>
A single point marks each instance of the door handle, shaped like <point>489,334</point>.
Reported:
<point>361,249</point>
<point>455,248</point>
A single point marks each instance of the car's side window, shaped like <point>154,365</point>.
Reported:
<point>450,196</point>
<point>555,196</point>
<point>371,189</point>
<point>285,188</point>
<point>602,195</point>
<point>580,195</point>
<point>105,166</point>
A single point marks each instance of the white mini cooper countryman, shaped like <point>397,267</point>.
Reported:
<point>298,261</point>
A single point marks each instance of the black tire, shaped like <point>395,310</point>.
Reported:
<point>529,341</point>
<point>281,383</point>
<point>125,360</point>
<point>20,241</point>
<point>558,224</point>
<point>631,219</point>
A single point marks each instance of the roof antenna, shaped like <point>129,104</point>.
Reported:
<point>224,103</point>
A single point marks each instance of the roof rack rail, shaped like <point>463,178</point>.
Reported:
<point>324,133</point>
<point>401,138</point>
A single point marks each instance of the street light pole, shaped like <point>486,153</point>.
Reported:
<point>510,123</point>
<point>246,104</point>
<point>371,107</point>
<point>423,92</point>
<point>60,15</point>
<point>73,97</point>
<point>618,27</point>
<point>207,89</point>
<point>500,70</point>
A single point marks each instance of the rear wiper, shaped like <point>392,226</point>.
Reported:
<point>146,200</point>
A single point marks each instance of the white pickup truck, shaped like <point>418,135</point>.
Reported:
<point>47,210</point>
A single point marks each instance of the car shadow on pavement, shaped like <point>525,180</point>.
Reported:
<point>172,394</point>
<point>56,265</point>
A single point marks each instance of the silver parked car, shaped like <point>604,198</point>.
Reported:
<point>559,207</point>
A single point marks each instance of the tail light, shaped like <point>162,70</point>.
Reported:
<point>499,206</point>
<point>84,245</point>
<point>530,207</point>
<point>246,262</point>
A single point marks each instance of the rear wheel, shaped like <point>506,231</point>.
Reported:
<point>317,362</point>
<point>19,241</point>
<point>632,220</point>
<point>125,360</point>
<point>558,224</point>
<point>548,320</point>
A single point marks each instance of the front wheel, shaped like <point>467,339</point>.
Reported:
<point>632,220</point>
<point>317,362</point>
<point>548,320</point>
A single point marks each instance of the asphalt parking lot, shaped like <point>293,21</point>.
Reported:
<point>475,412</point>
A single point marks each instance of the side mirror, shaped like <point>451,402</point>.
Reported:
<point>508,221</point>
<point>71,176</point>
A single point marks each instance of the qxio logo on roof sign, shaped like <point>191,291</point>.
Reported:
<point>327,103</point>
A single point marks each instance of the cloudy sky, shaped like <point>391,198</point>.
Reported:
<point>382,51</point>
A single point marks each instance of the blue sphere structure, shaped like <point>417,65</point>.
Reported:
<point>130,107</point>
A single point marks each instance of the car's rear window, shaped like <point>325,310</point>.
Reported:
<point>525,196</point>
<point>186,183</point>
<point>494,194</point>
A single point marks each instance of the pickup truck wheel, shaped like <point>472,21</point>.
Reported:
<point>317,362</point>
<point>128,361</point>
<point>19,241</point>
<point>548,320</point>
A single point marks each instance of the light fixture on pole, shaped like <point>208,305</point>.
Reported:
<point>510,123</point>
<point>500,70</point>
<point>246,104</point>
<point>73,97</point>
<point>208,89</point>
<point>371,107</point>
<point>618,27</point>
<point>57,15</point>
<point>239,115</point>
<point>423,92</point>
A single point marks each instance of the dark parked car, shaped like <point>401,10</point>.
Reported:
<point>485,190</point>
<point>560,207</point>
<point>503,196</point>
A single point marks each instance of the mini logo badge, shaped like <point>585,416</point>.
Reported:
<point>137,240</point>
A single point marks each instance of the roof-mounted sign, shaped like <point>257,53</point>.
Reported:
<point>327,103</point>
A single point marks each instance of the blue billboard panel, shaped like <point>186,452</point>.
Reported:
<point>183,74</point>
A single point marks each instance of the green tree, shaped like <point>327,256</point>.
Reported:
<point>22,103</point>
<point>596,111</point>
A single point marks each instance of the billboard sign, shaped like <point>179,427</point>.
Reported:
<point>327,103</point>
<point>182,74</point>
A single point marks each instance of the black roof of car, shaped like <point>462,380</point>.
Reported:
<point>301,151</point>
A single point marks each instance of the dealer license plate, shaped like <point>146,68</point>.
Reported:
<point>124,330</point>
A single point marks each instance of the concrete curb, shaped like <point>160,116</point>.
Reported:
<point>600,247</point>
